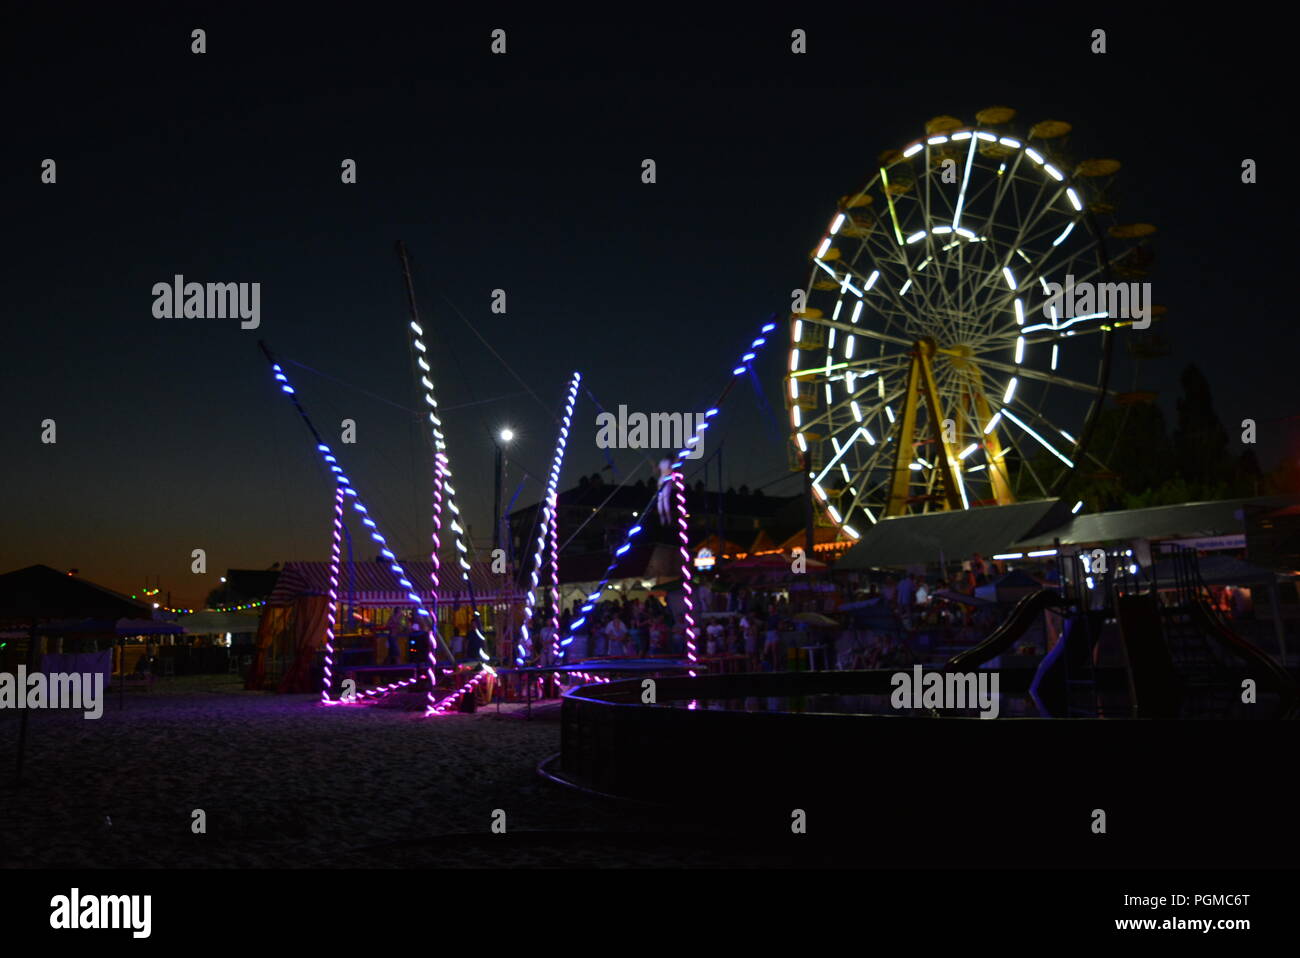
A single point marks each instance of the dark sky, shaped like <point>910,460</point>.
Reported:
<point>522,172</point>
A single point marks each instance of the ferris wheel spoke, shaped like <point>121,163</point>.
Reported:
<point>929,364</point>
<point>1027,372</point>
<point>1025,418</point>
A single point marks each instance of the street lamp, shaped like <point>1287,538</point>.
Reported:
<point>503,438</point>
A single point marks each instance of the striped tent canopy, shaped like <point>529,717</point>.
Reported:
<point>377,585</point>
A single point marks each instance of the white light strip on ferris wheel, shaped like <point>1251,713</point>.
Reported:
<point>1043,442</point>
<point>1074,199</point>
<point>839,221</point>
<point>839,454</point>
<point>814,370</point>
<point>961,197</point>
<point>1068,323</point>
<point>961,486</point>
<point>1064,233</point>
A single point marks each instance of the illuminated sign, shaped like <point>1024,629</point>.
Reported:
<point>1214,543</point>
<point>704,559</point>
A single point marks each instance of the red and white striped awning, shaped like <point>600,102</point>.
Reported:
<point>376,584</point>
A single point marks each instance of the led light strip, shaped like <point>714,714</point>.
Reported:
<point>548,529</point>
<point>442,707</point>
<point>361,510</point>
<point>331,618</point>
<point>555,510</point>
<point>444,494</point>
<point>1043,442</point>
<point>635,530</point>
<point>679,495</point>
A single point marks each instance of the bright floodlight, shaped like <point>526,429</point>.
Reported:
<point>507,434</point>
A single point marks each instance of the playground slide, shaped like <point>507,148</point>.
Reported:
<point>1271,676</point>
<point>1025,614</point>
<point>1071,655</point>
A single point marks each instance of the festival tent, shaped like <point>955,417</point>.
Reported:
<point>39,593</point>
<point>39,599</point>
<point>767,568</point>
<point>292,626</point>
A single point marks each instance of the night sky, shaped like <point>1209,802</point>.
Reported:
<point>522,172</point>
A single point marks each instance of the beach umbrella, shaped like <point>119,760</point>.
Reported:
<point>39,594</point>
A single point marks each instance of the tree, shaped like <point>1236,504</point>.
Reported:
<point>1200,441</point>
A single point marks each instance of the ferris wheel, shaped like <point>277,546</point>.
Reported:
<point>934,365</point>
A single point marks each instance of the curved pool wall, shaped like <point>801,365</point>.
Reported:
<point>1010,791</point>
<point>670,752</point>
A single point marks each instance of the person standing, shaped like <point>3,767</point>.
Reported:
<point>397,630</point>
<point>616,635</point>
<point>749,628</point>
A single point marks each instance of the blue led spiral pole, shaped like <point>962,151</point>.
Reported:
<point>745,360</point>
<point>342,480</point>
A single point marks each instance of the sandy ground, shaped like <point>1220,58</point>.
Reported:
<point>285,783</point>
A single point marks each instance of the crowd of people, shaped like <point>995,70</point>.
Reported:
<point>647,628</point>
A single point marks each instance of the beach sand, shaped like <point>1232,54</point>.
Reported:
<point>285,783</point>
